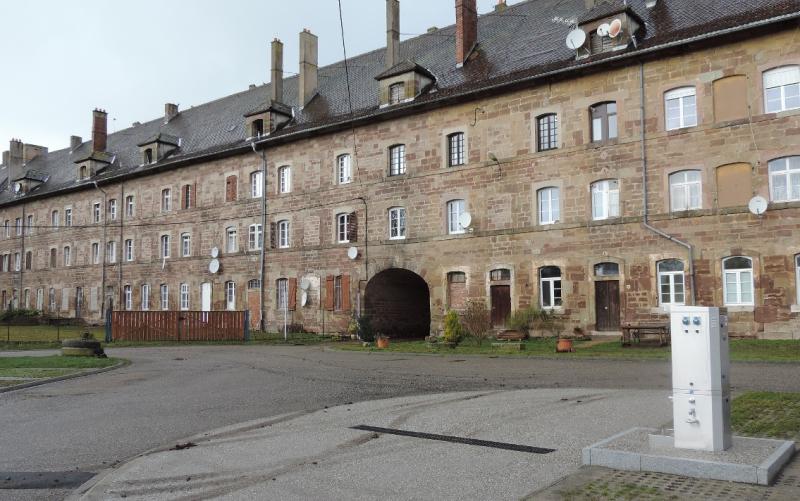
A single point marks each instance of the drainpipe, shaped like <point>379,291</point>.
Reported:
<point>21,260</point>
<point>261,268</point>
<point>366,239</point>
<point>121,212</point>
<point>645,222</point>
<point>103,256</point>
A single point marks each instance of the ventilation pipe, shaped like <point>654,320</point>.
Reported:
<point>309,48</point>
<point>466,29</point>
<point>392,33</point>
<point>276,71</point>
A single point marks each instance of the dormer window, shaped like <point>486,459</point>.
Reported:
<point>403,82</point>
<point>148,156</point>
<point>608,27</point>
<point>158,147</point>
<point>396,93</point>
<point>257,128</point>
<point>83,173</point>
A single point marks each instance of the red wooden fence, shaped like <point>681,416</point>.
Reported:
<point>178,325</point>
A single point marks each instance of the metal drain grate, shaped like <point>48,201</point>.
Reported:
<point>457,440</point>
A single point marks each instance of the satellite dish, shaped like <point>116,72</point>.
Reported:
<point>215,252</point>
<point>465,220</point>
<point>352,252</point>
<point>576,39</point>
<point>603,29</point>
<point>17,187</point>
<point>758,205</point>
<point>615,28</point>
<point>305,284</point>
<point>213,266</point>
<point>304,298</point>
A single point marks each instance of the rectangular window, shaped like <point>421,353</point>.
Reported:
<point>95,253</point>
<point>784,179</point>
<point>605,199</point>
<point>51,296</point>
<point>111,252</point>
<point>67,217</point>
<point>551,288</point>
<point>19,226</point>
<point>17,261</point>
<point>96,212</point>
<point>397,160</point>
<point>685,190</point>
<point>455,209</point>
<point>231,241</point>
<point>455,146</point>
<point>256,184</point>
<point>397,92</point>
<point>186,196</point>
<point>255,237</point>
<point>782,89</point>
<point>55,220</point>
<point>186,245</point>
<point>30,225</point>
<point>129,250</point>
<point>127,294</point>
<point>231,188</point>
<point>547,132</point>
<point>129,206</point>
<point>184,297</point>
<point>283,235</point>
<point>397,223</point>
<point>67,256</point>
<point>342,224</point>
<point>284,179</point>
<point>671,287</point>
<point>112,209</point>
<point>164,293</point>
<point>283,294</point>
<point>230,296</point>
<point>343,169</point>
<point>165,246</point>
<point>7,227</point>
<point>166,200</point>
<point>145,297</point>
<point>549,208</point>
<point>40,299</point>
<point>337,293</point>
<point>604,121</point>
<point>680,106</point>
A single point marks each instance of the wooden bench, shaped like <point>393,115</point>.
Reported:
<point>633,332</point>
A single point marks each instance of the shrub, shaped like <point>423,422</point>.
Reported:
<point>476,320</point>
<point>365,330</point>
<point>452,328</point>
<point>19,313</point>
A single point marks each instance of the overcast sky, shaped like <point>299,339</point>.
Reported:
<point>59,60</point>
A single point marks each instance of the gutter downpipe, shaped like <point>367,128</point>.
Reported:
<point>261,268</point>
<point>103,247</point>
<point>645,222</point>
<point>121,212</point>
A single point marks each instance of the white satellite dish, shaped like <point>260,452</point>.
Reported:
<point>603,29</point>
<point>758,205</point>
<point>465,220</point>
<point>615,28</point>
<point>304,298</point>
<point>305,284</point>
<point>215,252</point>
<point>352,252</point>
<point>213,266</point>
<point>576,39</point>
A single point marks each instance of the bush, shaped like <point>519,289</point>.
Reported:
<point>452,328</point>
<point>365,331</point>
<point>19,313</point>
<point>476,320</point>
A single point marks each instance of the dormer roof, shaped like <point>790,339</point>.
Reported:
<point>161,138</point>
<point>405,66</point>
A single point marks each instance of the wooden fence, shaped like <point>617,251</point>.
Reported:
<point>178,326</point>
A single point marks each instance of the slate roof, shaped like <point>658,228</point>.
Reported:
<point>519,44</point>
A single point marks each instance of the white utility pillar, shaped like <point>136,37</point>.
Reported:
<point>701,404</point>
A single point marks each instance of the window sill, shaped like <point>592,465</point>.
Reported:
<point>795,308</point>
<point>740,308</point>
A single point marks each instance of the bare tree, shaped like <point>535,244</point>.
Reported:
<point>476,320</point>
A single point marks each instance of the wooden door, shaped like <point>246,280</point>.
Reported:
<point>606,300</point>
<point>501,304</point>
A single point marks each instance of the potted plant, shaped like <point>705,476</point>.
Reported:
<point>382,341</point>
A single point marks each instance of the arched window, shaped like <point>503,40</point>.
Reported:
<point>53,258</point>
<point>686,189</point>
<point>54,219</point>
<point>550,287</point>
<point>82,174</point>
<point>230,295</point>
<point>547,132</point>
<point>605,199</point>
<point>145,297</point>
<point>231,240</point>
<point>671,287</point>
<point>456,149</point>
<point>549,208</point>
<point>256,184</point>
<point>186,245</point>
<point>28,260</point>
<point>184,297</point>
<point>283,235</point>
<point>604,121</point>
<point>344,172</point>
<point>782,89</point>
<point>680,108</point>
<point>284,179</point>
<point>127,296</point>
<point>165,247</point>
<point>738,280</point>
<point>784,179</point>
<point>606,269</point>
<point>455,208</point>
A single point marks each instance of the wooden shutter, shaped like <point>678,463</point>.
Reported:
<point>273,239</point>
<point>352,227</point>
<point>230,189</point>
<point>329,293</point>
<point>292,294</point>
<point>345,292</point>
<point>194,194</point>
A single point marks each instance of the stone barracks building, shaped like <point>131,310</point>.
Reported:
<point>603,173</point>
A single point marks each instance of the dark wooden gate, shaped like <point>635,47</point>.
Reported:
<point>501,304</point>
<point>179,326</point>
<point>606,301</point>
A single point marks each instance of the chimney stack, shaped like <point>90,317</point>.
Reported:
<point>75,142</point>
<point>308,67</point>
<point>466,29</point>
<point>170,112</point>
<point>31,151</point>
<point>16,159</point>
<point>99,130</point>
<point>392,33</point>
<point>4,163</point>
<point>501,6</point>
<point>276,72</point>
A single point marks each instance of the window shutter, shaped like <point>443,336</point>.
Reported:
<point>273,228</point>
<point>292,294</point>
<point>230,189</point>
<point>329,293</point>
<point>352,227</point>
<point>345,292</point>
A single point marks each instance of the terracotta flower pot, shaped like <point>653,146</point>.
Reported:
<point>383,343</point>
<point>565,346</point>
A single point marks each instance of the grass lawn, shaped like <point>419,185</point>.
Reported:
<point>26,368</point>
<point>45,333</point>
<point>767,414</point>
<point>741,349</point>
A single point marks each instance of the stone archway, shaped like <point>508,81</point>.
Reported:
<point>398,302</point>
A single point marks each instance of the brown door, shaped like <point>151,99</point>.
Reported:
<point>606,301</point>
<point>501,304</point>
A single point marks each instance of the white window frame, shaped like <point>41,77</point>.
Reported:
<point>111,251</point>
<point>68,217</point>
<point>344,169</point>
<point>549,200</point>
<point>680,108</point>
<point>164,245</point>
<point>282,288</point>
<point>256,184</point>
<point>736,278</point>
<point>783,79</point>
<point>184,290</point>
<point>67,255</point>
<point>96,212</point>
<point>95,253</point>
<point>787,168</point>
<point>145,297</point>
<point>231,240</point>
<point>283,235</point>
<point>605,199</point>
<point>112,209</point>
<point>127,295</point>
<point>284,179</point>
<point>130,206</point>
<point>670,279</point>
<point>163,291</point>
<point>230,295</point>
<point>455,208</point>
<point>255,236</point>
<point>55,220</point>
<point>551,284</point>
<point>342,222</point>
<point>397,160</point>
<point>397,223</point>
<point>29,224</point>
<point>186,244</point>
<point>17,261</point>
<point>129,250</point>
<point>685,186</point>
<point>166,200</point>
<point>39,299</point>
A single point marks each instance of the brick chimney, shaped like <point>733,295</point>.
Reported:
<point>99,130</point>
<point>392,33</point>
<point>75,142</point>
<point>170,112</point>
<point>276,71</point>
<point>501,6</point>
<point>31,151</point>
<point>16,159</point>
<point>6,154</point>
<point>466,29</point>
<point>308,67</point>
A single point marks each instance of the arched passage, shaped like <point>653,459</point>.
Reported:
<point>398,302</point>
